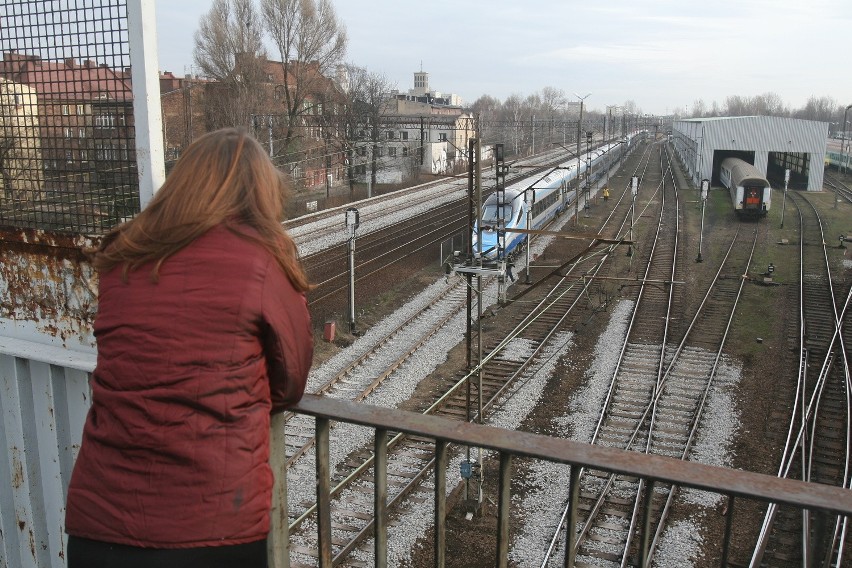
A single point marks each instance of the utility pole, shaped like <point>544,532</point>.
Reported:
<point>532,123</point>
<point>579,150</point>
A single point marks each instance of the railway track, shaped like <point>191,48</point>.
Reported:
<point>399,231</point>
<point>655,405</point>
<point>835,184</point>
<point>819,437</point>
<point>604,501</point>
<point>410,460</point>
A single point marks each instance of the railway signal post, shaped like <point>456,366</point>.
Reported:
<point>705,185</point>
<point>784,202</point>
<point>352,222</point>
<point>634,190</point>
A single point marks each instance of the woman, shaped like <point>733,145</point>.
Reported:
<point>202,331</point>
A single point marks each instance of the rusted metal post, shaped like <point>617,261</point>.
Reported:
<point>323,493</point>
<point>729,524</point>
<point>503,509</point>
<point>380,498</point>
<point>645,552</point>
<point>571,525</point>
<point>441,459</point>
<point>278,544</point>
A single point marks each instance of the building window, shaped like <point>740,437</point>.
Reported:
<point>405,134</point>
<point>362,151</point>
<point>380,152</point>
<point>391,134</point>
<point>66,110</point>
<point>442,137</point>
<point>80,110</point>
<point>81,132</point>
<point>405,150</point>
<point>69,132</point>
<point>105,120</point>
<point>392,152</point>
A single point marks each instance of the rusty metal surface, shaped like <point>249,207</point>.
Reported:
<point>690,474</point>
<point>45,281</point>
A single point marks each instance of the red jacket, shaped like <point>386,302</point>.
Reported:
<point>176,443</point>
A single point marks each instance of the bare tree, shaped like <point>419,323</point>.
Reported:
<point>229,29</point>
<point>311,43</point>
<point>553,100</point>
<point>486,109</point>
<point>368,94</point>
<point>824,109</point>
<point>512,113</point>
<point>229,48</point>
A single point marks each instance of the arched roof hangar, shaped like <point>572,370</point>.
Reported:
<point>772,143</point>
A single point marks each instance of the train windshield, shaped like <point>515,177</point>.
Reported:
<point>491,213</point>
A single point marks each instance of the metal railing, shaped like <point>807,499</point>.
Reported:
<point>509,445</point>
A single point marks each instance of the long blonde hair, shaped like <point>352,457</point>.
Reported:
<point>223,178</point>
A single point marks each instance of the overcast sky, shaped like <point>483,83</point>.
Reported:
<point>661,54</point>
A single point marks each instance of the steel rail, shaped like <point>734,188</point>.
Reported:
<point>809,411</point>
<point>426,467</point>
<point>557,531</point>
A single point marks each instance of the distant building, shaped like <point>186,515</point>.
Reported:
<point>420,131</point>
<point>183,108</point>
<point>253,98</point>
<point>772,144</point>
<point>422,93</point>
<point>21,163</point>
<point>84,122</point>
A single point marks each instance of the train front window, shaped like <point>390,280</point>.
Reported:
<point>491,213</point>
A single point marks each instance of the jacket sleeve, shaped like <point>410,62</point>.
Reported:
<point>288,340</point>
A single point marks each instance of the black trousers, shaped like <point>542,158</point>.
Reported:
<point>85,553</point>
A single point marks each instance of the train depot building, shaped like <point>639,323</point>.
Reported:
<point>772,144</point>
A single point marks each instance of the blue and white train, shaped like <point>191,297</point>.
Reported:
<point>547,197</point>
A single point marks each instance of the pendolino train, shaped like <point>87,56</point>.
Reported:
<point>750,192</point>
<point>536,204</point>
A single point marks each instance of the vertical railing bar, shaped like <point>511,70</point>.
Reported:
<point>729,525</point>
<point>503,507</point>
<point>646,523</point>
<point>323,492</point>
<point>278,543</point>
<point>380,483</point>
<point>571,525</point>
<point>441,457</point>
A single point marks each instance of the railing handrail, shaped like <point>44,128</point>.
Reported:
<point>716,479</point>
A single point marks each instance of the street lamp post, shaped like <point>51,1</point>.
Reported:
<point>579,130</point>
